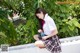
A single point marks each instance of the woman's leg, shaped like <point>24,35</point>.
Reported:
<point>36,37</point>
<point>40,44</point>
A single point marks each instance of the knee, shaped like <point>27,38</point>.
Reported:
<point>35,36</point>
<point>39,44</point>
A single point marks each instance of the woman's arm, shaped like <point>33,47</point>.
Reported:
<point>52,28</point>
<point>40,30</point>
<point>54,32</point>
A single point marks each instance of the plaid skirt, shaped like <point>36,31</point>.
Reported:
<point>53,44</point>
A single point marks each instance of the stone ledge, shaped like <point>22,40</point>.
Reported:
<point>69,45</point>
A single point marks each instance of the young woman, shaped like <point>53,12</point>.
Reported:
<point>50,40</point>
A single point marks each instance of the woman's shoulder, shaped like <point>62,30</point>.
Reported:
<point>50,19</point>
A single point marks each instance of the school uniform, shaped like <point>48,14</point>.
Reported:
<point>52,43</point>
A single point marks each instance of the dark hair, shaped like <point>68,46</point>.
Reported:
<point>39,10</point>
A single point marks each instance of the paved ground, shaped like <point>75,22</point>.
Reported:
<point>67,47</point>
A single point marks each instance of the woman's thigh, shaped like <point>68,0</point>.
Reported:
<point>36,37</point>
<point>40,44</point>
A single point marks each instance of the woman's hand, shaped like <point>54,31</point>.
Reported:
<point>40,30</point>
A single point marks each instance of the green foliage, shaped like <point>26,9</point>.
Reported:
<point>69,27</point>
<point>25,32</point>
<point>66,17</point>
<point>7,31</point>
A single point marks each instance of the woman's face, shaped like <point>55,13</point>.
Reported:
<point>40,15</point>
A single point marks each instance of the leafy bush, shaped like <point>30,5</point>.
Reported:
<point>66,17</point>
<point>25,32</point>
<point>7,31</point>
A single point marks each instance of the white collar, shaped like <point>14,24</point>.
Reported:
<point>46,15</point>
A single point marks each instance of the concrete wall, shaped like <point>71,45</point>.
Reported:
<point>69,45</point>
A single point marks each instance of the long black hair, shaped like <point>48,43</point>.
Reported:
<point>39,10</point>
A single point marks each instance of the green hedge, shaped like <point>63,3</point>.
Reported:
<point>66,17</point>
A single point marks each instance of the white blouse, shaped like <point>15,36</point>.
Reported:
<point>49,25</point>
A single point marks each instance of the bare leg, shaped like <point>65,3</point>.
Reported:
<point>36,37</point>
<point>40,44</point>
